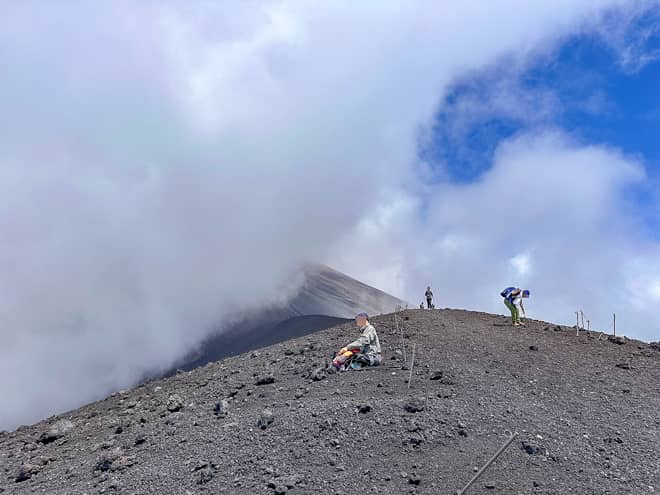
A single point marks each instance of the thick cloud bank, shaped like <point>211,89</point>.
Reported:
<point>164,165</point>
<point>551,214</point>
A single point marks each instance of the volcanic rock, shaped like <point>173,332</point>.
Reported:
<point>174,403</point>
<point>56,431</point>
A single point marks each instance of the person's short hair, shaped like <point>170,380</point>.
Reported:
<point>362,315</point>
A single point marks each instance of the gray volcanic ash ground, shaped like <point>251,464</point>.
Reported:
<point>275,421</point>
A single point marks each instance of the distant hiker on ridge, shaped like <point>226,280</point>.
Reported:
<point>513,296</point>
<point>365,351</point>
<point>429,297</point>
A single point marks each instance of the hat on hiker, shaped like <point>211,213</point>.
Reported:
<point>362,315</point>
<point>525,293</point>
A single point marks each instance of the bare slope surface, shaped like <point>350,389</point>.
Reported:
<point>329,292</point>
<point>273,421</point>
<point>244,338</point>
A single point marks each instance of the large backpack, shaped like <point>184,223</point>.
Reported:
<point>507,292</point>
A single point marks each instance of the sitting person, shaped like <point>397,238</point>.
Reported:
<point>365,351</point>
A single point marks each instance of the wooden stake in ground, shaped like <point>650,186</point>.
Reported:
<point>577,323</point>
<point>403,342</point>
<point>615,324</point>
<point>582,318</point>
<point>412,364</point>
<point>490,461</point>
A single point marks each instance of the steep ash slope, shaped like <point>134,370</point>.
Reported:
<point>586,410</point>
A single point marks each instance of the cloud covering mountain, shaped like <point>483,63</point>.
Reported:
<point>168,164</point>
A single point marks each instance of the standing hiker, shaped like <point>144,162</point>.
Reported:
<point>429,297</point>
<point>513,296</point>
<point>365,350</point>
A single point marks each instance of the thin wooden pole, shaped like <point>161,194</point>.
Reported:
<point>412,364</point>
<point>490,461</point>
<point>403,342</point>
<point>588,325</point>
<point>582,317</point>
<point>615,324</point>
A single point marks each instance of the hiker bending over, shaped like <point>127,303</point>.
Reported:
<point>429,297</point>
<point>513,296</point>
<point>365,350</point>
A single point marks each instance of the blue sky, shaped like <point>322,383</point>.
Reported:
<point>599,99</point>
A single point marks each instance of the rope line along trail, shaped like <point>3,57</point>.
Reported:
<point>511,438</point>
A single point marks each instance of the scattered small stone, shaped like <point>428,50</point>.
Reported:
<point>489,486</point>
<point>463,433</point>
<point>616,340</point>
<point>104,463</point>
<point>264,379</point>
<point>414,479</point>
<point>623,366</point>
<point>174,403</point>
<point>108,444</point>
<point>414,406</point>
<point>436,375</point>
<point>533,348</point>
<point>415,441</point>
<point>265,419</point>
<point>221,408</point>
<point>25,472</point>
<point>364,408</point>
<point>530,448</point>
<point>56,431</point>
<point>140,439</point>
<point>203,475</point>
<point>278,489</point>
<point>319,374</point>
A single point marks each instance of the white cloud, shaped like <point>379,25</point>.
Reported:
<point>166,164</point>
<point>550,215</point>
<point>521,262</point>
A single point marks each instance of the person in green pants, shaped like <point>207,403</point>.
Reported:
<point>513,296</point>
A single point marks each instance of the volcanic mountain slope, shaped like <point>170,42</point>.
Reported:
<point>325,299</point>
<point>275,421</point>
<point>329,292</point>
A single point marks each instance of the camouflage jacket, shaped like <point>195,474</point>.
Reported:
<point>368,342</point>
